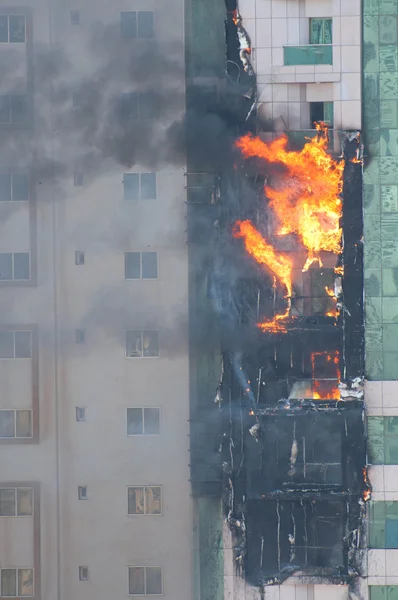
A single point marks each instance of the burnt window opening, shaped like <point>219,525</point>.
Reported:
<point>203,188</point>
<point>142,343</point>
<point>286,533</point>
<point>321,111</point>
<point>136,24</point>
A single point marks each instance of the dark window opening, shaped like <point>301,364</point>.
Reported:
<point>321,111</point>
<point>143,343</point>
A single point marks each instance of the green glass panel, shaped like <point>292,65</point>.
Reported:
<point>371,198</point>
<point>376,440</point>
<point>373,310</point>
<point>390,310</point>
<point>378,592</point>
<point>374,365</point>
<point>389,169</point>
<point>372,252</point>
<point>321,31</point>
<point>372,282</point>
<point>388,7</point>
<point>389,113</point>
<point>371,7</point>
<point>377,534</point>
<point>391,510</point>
<point>392,592</point>
<point>390,337</point>
<point>308,55</point>
<point>388,29</point>
<point>390,282</point>
<point>391,450</point>
<point>328,113</point>
<point>389,198</point>
<point>390,362</point>
<point>389,85</point>
<point>389,227</point>
<point>388,58</point>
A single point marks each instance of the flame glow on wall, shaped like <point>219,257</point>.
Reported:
<point>306,202</point>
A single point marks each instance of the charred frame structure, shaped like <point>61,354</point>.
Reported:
<point>290,467</point>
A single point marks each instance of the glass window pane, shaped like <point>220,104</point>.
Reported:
<point>17,28</point>
<point>391,449</point>
<point>328,113</point>
<point>25,582</point>
<point>135,500</point>
<point>8,582</point>
<point>134,421</point>
<point>19,108</point>
<point>132,265</point>
<point>5,266</point>
<point>24,502</point>
<point>151,343</point>
<point>3,28</point>
<point>137,580</point>
<point>7,424</point>
<point>391,533</point>
<point>21,266</point>
<point>20,187</point>
<point>22,344</point>
<point>151,421</point>
<point>153,580</point>
<point>145,24</point>
<point>133,343</point>
<point>153,500</point>
<point>127,107</point>
<point>5,109</point>
<point>148,186</point>
<point>5,187</point>
<point>378,592</point>
<point>391,510</point>
<point>376,440</point>
<point>24,424</point>
<point>320,31</point>
<point>149,265</point>
<point>131,186</point>
<point>7,502</point>
<point>392,592</point>
<point>6,344</point>
<point>128,24</point>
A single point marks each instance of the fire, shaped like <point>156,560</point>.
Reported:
<point>318,393</point>
<point>339,270</point>
<point>279,265</point>
<point>368,489</point>
<point>306,203</point>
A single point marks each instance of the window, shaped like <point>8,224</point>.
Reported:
<point>321,111</point>
<point>383,524</point>
<point>14,266</point>
<point>15,423</point>
<point>79,257</point>
<point>143,421</point>
<point>136,25</point>
<point>80,413</point>
<point>74,17</point>
<point>383,440</point>
<point>144,500</point>
<point>16,582</point>
<point>16,502</point>
<point>83,573</point>
<point>80,336</point>
<point>82,492</point>
<point>145,581</point>
<point>139,186</point>
<point>15,344</point>
<point>141,265</point>
<point>14,187</point>
<point>142,343</point>
<point>12,28</point>
<point>321,31</point>
<point>132,106</point>
<point>383,592</point>
<point>14,108</point>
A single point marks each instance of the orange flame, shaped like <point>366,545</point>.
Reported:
<point>318,393</point>
<point>368,489</point>
<point>279,265</point>
<point>306,203</point>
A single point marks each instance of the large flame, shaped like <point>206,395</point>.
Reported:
<point>306,201</point>
<point>279,265</point>
<point>318,392</point>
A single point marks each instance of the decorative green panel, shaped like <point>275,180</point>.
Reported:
<point>308,55</point>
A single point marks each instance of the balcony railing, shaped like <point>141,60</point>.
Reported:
<point>312,54</point>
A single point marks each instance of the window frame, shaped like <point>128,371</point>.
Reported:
<point>18,594</point>
<point>324,19</point>
<point>141,253</point>
<point>14,331</point>
<point>82,492</point>
<point>145,579</point>
<point>137,35</point>
<point>15,436</point>
<point>142,408</point>
<point>11,175</point>
<point>16,488</point>
<point>145,513</point>
<point>13,279</point>
<point>8,15</point>
<point>81,578</point>
<point>142,331</point>
<point>140,198</point>
<point>80,408</point>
